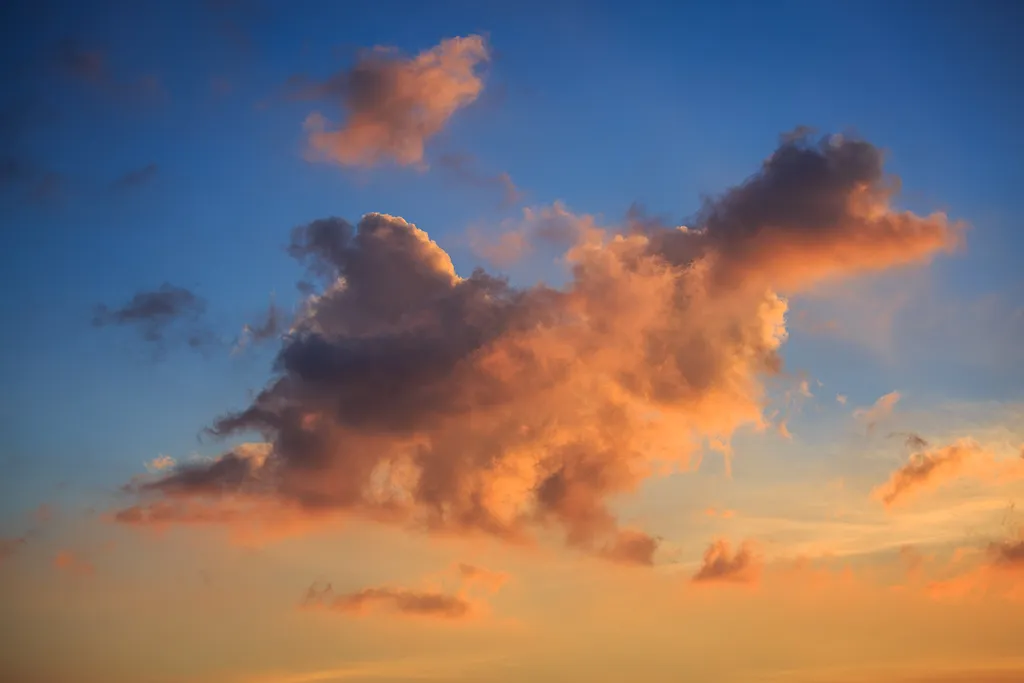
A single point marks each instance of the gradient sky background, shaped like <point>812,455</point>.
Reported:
<point>149,143</point>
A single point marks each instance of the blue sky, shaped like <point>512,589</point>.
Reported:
<point>599,105</point>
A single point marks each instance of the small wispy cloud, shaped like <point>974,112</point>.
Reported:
<point>464,168</point>
<point>161,463</point>
<point>428,602</point>
<point>137,177</point>
<point>928,469</point>
<point>91,66</point>
<point>722,565</point>
<point>881,410</point>
<point>72,563</point>
<point>155,313</point>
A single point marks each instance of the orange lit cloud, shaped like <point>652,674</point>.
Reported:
<point>399,600</point>
<point>393,105</point>
<point>410,394</point>
<point>160,463</point>
<point>809,578</point>
<point>722,565</point>
<point>426,602</point>
<point>881,410</point>
<point>552,226</point>
<point>473,575</point>
<point>70,562</point>
<point>251,520</point>
<point>1001,573</point>
<point>928,469</point>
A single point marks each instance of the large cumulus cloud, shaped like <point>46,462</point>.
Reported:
<point>408,393</point>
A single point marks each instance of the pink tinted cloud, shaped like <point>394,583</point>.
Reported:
<point>722,565</point>
<point>427,602</point>
<point>928,469</point>
<point>402,601</point>
<point>393,105</point>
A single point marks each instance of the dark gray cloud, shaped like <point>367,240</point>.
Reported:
<point>84,64</point>
<point>399,600</point>
<point>137,177</point>
<point>270,325</point>
<point>20,174</point>
<point>14,171</point>
<point>1007,554</point>
<point>30,182</point>
<point>912,441</point>
<point>90,66</point>
<point>155,313</point>
<point>235,21</point>
<point>464,168</point>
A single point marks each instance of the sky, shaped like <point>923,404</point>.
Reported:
<point>500,342</point>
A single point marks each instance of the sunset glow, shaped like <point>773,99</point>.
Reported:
<point>494,343</point>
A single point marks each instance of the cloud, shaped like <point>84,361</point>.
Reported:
<point>270,326</point>
<point>929,469</point>
<point>394,105</point>
<point>90,66</point>
<point>507,249</point>
<point>631,546</point>
<point>879,411</point>
<point>70,562</point>
<point>474,575</point>
<point>913,441</point>
<point>407,393</point>
<point>721,565</point>
<point>137,177</point>
<point>230,471</point>
<point>250,522</point>
<point>463,168</point>
<point>812,212</point>
<point>9,546</point>
<point>399,600</point>
<point>235,22</point>
<point>155,312</point>
<point>547,226</point>
<point>160,463</point>
<point>44,513</point>
<point>429,602</point>
<point>220,86</point>
<point>37,185</point>
<point>1008,554</point>
<point>841,399</point>
<point>19,172</point>
<point>81,63</point>
<point>1000,573</point>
